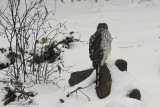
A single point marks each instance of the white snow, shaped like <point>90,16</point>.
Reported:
<point>135,29</point>
<point>3,59</point>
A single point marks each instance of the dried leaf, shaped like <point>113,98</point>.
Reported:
<point>59,69</point>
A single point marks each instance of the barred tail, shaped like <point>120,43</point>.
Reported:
<point>96,66</point>
<point>97,76</point>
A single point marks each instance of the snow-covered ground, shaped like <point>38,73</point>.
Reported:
<point>135,29</point>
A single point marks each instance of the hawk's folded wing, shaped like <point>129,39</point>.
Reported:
<point>95,51</point>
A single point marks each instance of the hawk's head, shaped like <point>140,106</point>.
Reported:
<point>101,27</point>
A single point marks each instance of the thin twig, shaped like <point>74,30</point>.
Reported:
<point>80,89</point>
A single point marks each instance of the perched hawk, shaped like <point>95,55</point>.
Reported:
<point>99,48</point>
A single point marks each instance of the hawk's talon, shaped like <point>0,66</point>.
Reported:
<point>106,64</point>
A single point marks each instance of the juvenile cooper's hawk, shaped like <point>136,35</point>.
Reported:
<point>100,47</point>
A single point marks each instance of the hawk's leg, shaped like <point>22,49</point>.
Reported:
<point>98,74</point>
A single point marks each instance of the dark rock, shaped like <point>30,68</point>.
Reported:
<point>2,65</point>
<point>121,64</point>
<point>105,81</point>
<point>135,93</point>
<point>79,76</point>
